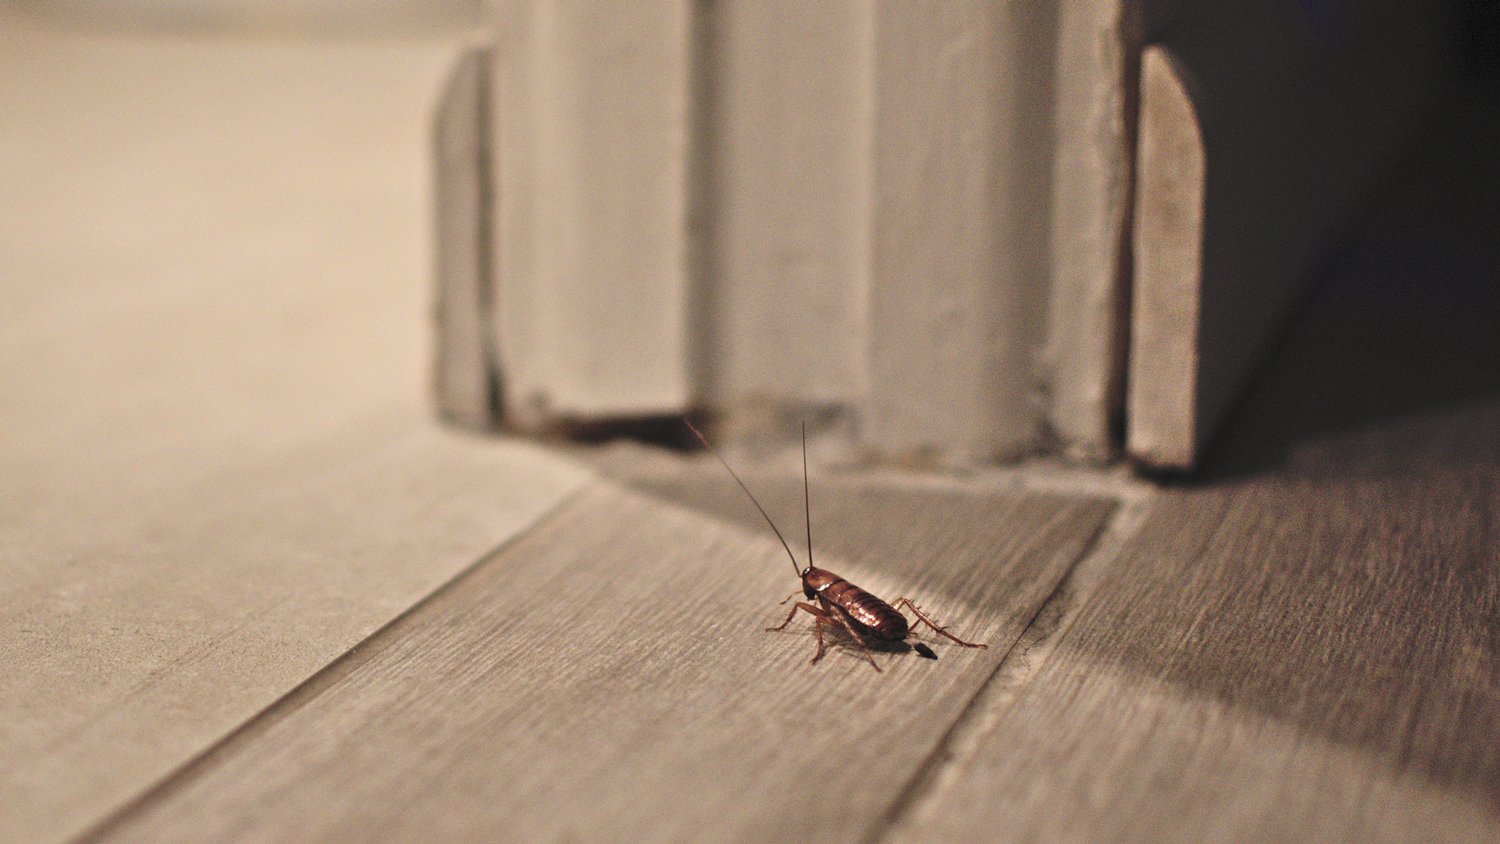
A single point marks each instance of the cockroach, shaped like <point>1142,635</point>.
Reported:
<point>840,603</point>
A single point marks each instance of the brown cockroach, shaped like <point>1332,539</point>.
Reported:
<point>839,602</point>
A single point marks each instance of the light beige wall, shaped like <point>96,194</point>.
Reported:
<point>312,16</point>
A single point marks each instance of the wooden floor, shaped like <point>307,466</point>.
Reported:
<point>252,592</point>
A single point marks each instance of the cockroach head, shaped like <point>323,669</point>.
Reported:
<point>807,587</point>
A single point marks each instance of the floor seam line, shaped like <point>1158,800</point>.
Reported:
<point>311,686</point>
<point>1122,523</point>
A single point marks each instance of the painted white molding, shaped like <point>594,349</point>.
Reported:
<point>1094,114</point>
<point>910,221</point>
<point>465,367</point>
<point>1167,280</point>
<point>784,203</point>
<point>591,162</point>
<point>851,211</point>
<point>962,145</point>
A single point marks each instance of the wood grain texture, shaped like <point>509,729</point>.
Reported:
<point>607,677</point>
<point>1280,661</point>
<point>1306,644</point>
<point>217,470</point>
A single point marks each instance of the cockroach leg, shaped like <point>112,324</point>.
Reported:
<point>795,593</point>
<point>800,605</point>
<point>922,617</point>
<point>840,603</point>
<point>832,617</point>
<point>782,625</point>
<point>838,615</point>
<point>822,620</point>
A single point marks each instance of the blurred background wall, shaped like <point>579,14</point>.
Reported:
<point>331,17</point>
<point>908,220</point>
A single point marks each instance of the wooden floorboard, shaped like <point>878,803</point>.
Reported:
<point>607,677</point>
<point>1303,644</point>
<point>1274,661</point>
<point>218,471</point>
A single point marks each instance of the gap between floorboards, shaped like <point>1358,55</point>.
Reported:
<point>1047,626</point>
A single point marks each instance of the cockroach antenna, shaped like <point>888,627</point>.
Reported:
<point>840,604</point>
<point>806,499</point>
<point>715,452</point>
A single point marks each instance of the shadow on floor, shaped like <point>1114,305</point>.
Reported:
<point>1333,565</point>
<point>1401,323</point>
